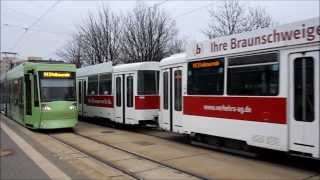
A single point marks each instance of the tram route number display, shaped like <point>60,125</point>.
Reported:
<point>57,74</point>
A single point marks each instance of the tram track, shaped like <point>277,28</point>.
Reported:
<point>98,159</point>
<point>263,156</point>
<point>180,139</point>
<point>124,170</point>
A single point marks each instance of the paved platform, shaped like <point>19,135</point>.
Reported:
<point>15,164</point>
<point>72,163</point>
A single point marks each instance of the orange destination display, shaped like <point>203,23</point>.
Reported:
<point>205,64</point>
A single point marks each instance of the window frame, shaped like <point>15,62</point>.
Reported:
<point>118,91</point>
<point>177,94</point>
<point>276,62</point>
<point>165,87</point>
<point>143,93</point>
<point>305,115</point>
<point>221,59</point>
<point>99,84</point>
<point>36,90</point>
<point>129,99</point>
<point>80,91</point>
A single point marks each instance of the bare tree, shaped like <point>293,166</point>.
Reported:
<point>149,35</point>
<point>145,34</point>
<point>101,37</point>
<point>177,46</point>
<point>72,52</point>
<point>233,18</point>
<point>97,40</point>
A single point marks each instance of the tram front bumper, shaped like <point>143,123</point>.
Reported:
<point>58,114</point>
<point>59,123</point>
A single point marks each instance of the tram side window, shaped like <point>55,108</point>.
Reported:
<point>178,90</point>
<point>118,91</point>
<point>304,89</point>
<point>93,85</point>
<point>206,77</point>
<point>17,92</point>
<point>165,90</point>
<point>105,82</point>
<point>21,91</point>
<point>36,97</point>
<point>254,79</point>
<point>79,92</point>
<point>148,82</point>
<point>130,91</point>
<point>28,95</point>
<point>85,92</point>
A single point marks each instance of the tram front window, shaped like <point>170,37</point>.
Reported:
<point>57,86</point>
<point>57,90</point>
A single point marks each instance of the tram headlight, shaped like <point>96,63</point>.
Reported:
<point>45,107</point>
<point>73,107</point>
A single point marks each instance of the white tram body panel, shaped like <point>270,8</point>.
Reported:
<point>136,93</point>
<point>260,87</point>
<point>93,100</point>
<point>172,74</point>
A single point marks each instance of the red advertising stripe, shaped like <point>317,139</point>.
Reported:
<point>100,101</point>
<point>147,102</point>
<point>270,110</point>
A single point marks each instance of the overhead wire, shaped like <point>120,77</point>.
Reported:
<point>26,29</point>
<point>33,29</point>
<point>160,3</point>
<point>193,10</point>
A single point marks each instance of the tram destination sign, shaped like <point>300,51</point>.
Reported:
<point>205,64</point>
<point>303,32</point>
<point>57,74</point>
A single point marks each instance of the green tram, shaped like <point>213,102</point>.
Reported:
<point>41,95</point>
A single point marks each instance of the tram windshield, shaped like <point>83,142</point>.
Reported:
<point>148,82</point>
<point>57,89</point>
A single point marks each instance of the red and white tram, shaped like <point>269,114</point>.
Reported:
<point>260,87</point>
<point>136,93</point>
<point>173,74</point>
<point>126,93</point>
<point>94,90</point>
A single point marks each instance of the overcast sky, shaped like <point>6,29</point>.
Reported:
<point>54,29</point>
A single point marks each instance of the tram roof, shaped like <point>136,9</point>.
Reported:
<point>151,65</point>
<point>19,70</point>
<point>173,59</point>
<point>95,69</point>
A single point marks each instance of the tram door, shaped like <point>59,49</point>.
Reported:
<point>32,104</point>
<point>124,98</point>
<point>172,99</point>
<point>119,108</point>
<point>81,92</point>
<point>304,103</point>
<point>129,99</point>
<point>28,97</point>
